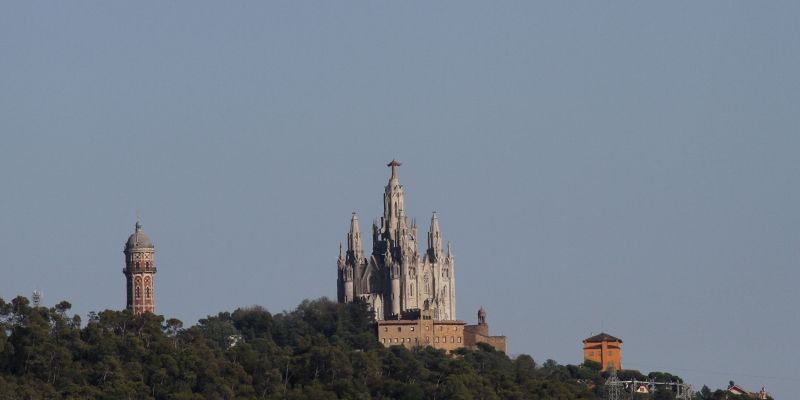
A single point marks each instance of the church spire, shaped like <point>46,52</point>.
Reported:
<point>434,238</point>
<point>354,239</point>
<point>394,218</point>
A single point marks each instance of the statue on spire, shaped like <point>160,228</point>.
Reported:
<point>394,164</point>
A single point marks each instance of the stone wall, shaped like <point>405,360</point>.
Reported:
<point>474,334</point>
<point>446,335</point>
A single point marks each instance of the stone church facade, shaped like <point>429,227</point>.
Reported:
<point>395,279</point>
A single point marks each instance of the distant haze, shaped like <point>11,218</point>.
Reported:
<point>627,167</point>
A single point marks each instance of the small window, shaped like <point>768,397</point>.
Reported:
<point>399,328</point>
<point>412,329</point>
<point>427,327</point>
<point>427,339</point>
<point>610,352</point>
<point>437,339</point>
<point>591,354</point>
<point>383,340</point>
<point>386,329</point>
<point>459,339</point>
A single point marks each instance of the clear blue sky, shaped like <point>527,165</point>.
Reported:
<point>629,167</point>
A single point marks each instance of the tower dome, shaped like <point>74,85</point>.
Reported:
<point>139,240</point>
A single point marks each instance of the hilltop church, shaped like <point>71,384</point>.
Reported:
<point>395,280</point>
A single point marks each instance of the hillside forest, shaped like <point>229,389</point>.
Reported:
<point>320,350</point>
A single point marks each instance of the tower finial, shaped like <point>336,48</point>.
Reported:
<point>394,164</point>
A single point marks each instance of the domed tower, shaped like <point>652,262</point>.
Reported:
<point>139,271</point>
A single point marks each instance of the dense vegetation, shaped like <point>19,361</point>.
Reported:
<point>321,350</point>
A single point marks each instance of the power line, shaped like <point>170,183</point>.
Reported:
<point>621,390</point>
<point>721,373</point>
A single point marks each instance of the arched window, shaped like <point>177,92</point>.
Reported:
<point>147,292</point>
<point>138,292</point>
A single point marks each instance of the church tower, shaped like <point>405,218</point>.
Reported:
<point>395,280</point>
<point>139,270</point>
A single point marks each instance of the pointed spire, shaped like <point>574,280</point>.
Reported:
<point>449,250</point>
<point>434,238</point>
<point>434,222</point>
<point>354,238</point>
<point>354,228</point>
<point>341,254</point>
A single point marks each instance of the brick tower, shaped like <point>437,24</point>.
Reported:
<point>139,270</point>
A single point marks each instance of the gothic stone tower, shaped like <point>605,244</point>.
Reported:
<point>395,280</point>
<point>139,270</point>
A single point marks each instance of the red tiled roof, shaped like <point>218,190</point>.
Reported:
<point>602,337</point>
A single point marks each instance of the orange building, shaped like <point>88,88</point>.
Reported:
<point>422,330</point>
<point>604,349</point>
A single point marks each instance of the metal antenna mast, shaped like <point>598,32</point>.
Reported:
<point>622,390</point>
<point>614,387</point>
<point>37,298</point>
